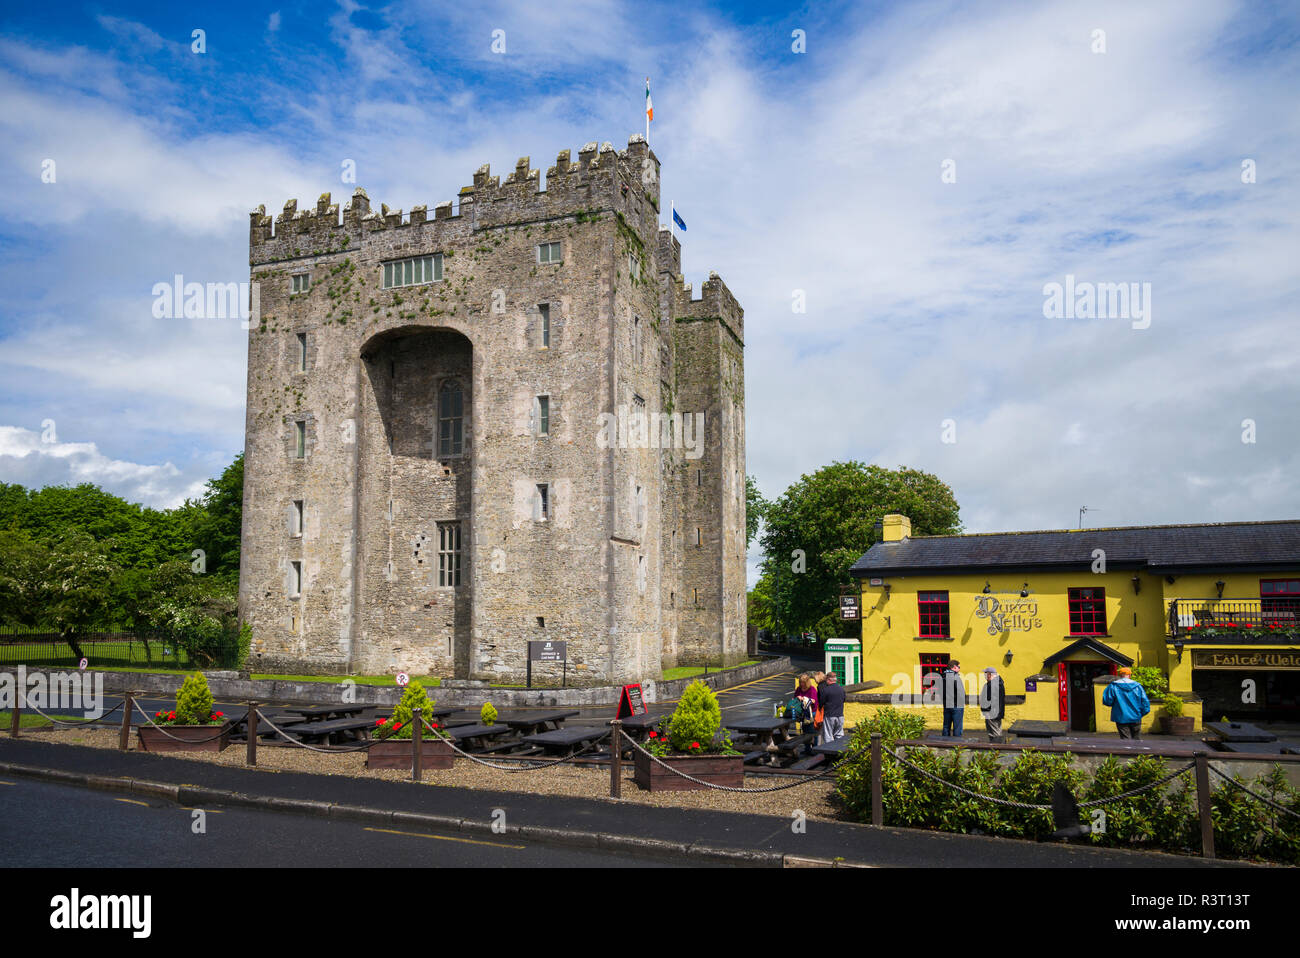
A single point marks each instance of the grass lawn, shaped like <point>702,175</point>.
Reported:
<point>31,720</point>
<point>690,671</point>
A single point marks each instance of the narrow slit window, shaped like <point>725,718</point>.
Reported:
<point>449,554</point>
<point>300,439</point>
<point>545,310</point>
<point>295,518</point>
<point>295,579</point>
<point>543,415</point>
<point>451,420</point>
<point>302,352</point>
<point>543,501</point>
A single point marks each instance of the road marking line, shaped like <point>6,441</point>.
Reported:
<point>755,682</point>
<point>131,801</point>
<point>207,811</point>
<point>6,783</point>
<point>441,838</point>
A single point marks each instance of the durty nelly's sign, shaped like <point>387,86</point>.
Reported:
<point>1013,617</point>
<point>1232,659</point>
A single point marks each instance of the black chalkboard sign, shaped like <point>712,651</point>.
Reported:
<point>630,702</point>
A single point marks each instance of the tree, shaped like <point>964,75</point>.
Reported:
<point>218,520</point>
<point>755,504</point>
<point>66,584</point>
<point>825,522</point>
<point>760,604</point>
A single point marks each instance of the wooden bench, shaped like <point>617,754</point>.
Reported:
<point>792,745</point>
<point>329,729</point>
<point>752,757</point>
<point>810,762</point>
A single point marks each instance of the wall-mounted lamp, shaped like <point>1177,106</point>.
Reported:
<point>1008,657</point>
<point>1219,585</point>
<point>1137,584</point>
<point>1024,591</point>
<point>887,587</point>
<point>1170,579</point>
<point>987,587</point>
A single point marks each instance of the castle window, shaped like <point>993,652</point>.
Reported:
<point>301,282</point>
<point>302,352</point>
<point>295,518</point>
<point>695,594</point>
<point>542,412</point>
<point>640,573</point>
<point>415,271</point>
<point>295,579</point>
<point>543,504</point>
<point>640,506</point>
<point>699,536</point>
<point>548,253</point>
<point>449,553</point>
<point>300,436</point>
<point>545,310</point>
<point>636,338</point>
<point>451,420</point>
<point>633,266</point>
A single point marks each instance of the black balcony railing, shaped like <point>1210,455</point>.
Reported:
<point>1235,620</point>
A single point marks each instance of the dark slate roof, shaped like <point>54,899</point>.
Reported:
<point>1094,646</point>
<point>1205,548</point>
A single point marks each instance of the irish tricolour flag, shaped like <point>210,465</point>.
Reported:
<point>649,104</point>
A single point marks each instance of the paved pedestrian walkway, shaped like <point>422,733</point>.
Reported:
<point>822,840</point>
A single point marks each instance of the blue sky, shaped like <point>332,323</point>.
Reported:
<point>818,172</point>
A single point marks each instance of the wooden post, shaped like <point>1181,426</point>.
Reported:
<point>251,723</point>
<point>616,758</point>
<point>417,750</point>
<point>1203,804</point>
<point>877,799</point>
<point>15,716</point>
<point>124,735</point>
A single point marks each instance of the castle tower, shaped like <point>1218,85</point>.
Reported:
<point>505,422</point>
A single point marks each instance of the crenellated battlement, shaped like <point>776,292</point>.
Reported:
<point>715,301</point>
<point>602,178</point>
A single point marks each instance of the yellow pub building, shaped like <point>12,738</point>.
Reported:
<point>1214,607</point>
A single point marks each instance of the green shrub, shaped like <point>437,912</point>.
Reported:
<point>1151,679</point>
<point>893,724</point>
<point>1173,706</point>
<point>402,721</point>
<point>696,719</point>
<point>194,701</point>
<point>1161,818</point>
<point>488,714</point>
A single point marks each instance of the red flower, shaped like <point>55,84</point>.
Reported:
<point>396,726</point>
<point>380,721</point>
<point>171,716</point>
<point>157,714</point>
<point>218,714</point>
<point>695,745</point>
<point>653,735</point>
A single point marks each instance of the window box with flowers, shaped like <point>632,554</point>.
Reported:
<point>393,747</point>
<point>190,727</point>
<point>690,741</point>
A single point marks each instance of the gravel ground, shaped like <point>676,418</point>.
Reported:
<point>593,783</point>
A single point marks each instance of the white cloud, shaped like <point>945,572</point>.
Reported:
<point>29,461</point>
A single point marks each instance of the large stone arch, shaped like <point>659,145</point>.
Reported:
<point>414,493</point>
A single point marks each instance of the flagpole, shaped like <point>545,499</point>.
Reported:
<point>647,114</point>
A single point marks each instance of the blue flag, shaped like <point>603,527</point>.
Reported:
<point>678,220</point>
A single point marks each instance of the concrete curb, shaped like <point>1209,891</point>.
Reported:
<point>193,796</point>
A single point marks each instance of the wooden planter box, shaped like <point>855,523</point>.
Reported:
<point>434,754</point>
<point>715,769</point>
<point>1183,725</point>
<point>153,740</point>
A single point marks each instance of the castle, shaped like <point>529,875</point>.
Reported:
<point>506,422</point>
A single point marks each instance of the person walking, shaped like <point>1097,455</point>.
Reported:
<point>1128,703</point>
<point>807,695</point>
<point>993,703</point>
<point>832,701</point>
<point>953,693</point>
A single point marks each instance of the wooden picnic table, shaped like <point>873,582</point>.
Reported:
<point>473,735</point>
<point>834,748</point>
<point>764,731</point>
<point>312,713</point>
<point>354,728</point>
<point>567,740</point>
<point>1239,732</point>
<point>1259,748</point>
<point>1033,728</point>
<point>532,724</point>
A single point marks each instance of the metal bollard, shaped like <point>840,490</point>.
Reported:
<point>877,800</point>
<point>124,735</point>
<point>1203,804</point>
<point>251,723</point>
<point>417,751</point>
<point>14,716</point>
<point>616,759</point>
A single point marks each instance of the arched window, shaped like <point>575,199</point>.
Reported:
<point>451,419</point>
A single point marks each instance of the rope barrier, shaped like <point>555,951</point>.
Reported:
<point>75,722</point>
<point>731,788</point>
<point>516,768</point>
<point>1269,802</point>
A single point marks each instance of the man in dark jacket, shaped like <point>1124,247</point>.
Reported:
<point>993,703</point>
<point>832,703</point>
<point>953,694</point>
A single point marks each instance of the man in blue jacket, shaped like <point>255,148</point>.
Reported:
<point>1128,703</point>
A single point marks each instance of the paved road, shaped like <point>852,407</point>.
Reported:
<point>48,825</point>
